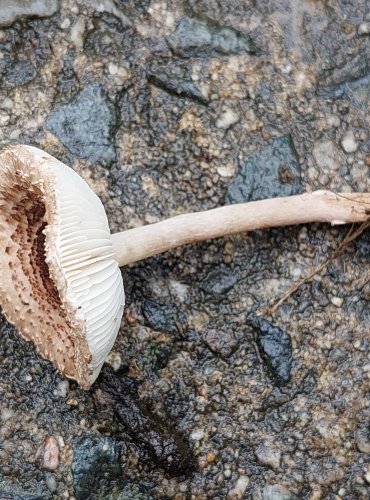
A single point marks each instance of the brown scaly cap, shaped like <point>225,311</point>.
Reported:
<point>56,263</point>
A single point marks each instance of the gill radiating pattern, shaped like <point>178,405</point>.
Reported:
<point>86,256</point>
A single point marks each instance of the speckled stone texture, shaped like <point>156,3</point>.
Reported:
<point>11,10</point>
<point>179,115</point>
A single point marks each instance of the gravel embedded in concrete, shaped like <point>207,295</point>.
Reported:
<point>272,171</point>
<point>12,10</point>
<point>151,148</point>
<point>86,125</point>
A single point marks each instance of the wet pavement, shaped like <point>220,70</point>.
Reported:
<point>169,107</point>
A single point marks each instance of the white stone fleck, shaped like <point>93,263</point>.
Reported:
<point>238,491</point>
<point>6,103</point>
<point>51,483</point>
<point>66,23</point>
<point>227,170</point>
<point>277,492</point>
<point>268,455</point>
<point>112,68</point>
<point>327,155</point>
<point>15,134</point>
<point>62,389</point>
<point>296,273</point>
<point>48,453</point>
<point>337,301</point>
<point>12,10</point>
<point>60,441</point>
<point>333,121</point>
<point>179,290</point>
<point>4,120</point>
<point>77,32</point>
<point>197,435</point>
<point>287,69</point>
<point>363,443</point>
<point>183,487</point>
<point>349,143</point>
<point>363,29</point>
<point>367,475</point>
<point>119,73</point>
<point>227,118</point>
<point>114,359</point>
<point>227,473</point>
<point>110,7</point>
<point>6,414</point>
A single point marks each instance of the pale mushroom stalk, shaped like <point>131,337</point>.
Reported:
<point>60,280</point>
<point>319,206</point>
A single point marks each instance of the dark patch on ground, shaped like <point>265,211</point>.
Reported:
<point>273,171</point>
<point>197,37</point>
<point>85,125</point>
<point>275,347</point>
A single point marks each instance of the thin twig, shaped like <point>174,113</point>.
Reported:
<point>352,235</point>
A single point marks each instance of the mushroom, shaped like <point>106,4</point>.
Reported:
<point>61,285</point>
<point>60,282</point>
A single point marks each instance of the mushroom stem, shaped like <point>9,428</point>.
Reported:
<point>320,206</point>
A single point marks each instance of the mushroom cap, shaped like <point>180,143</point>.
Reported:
<point>60,283</point>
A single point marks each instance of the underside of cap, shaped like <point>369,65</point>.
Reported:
<point>60,283</point>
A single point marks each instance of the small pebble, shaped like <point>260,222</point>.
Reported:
<point>227,118</point>
<point>62,389</point>
<point>349,143</point>
<point>366,291</point>
<point>4,120</point>
<point>6,103</point>
<point>221,342</point>
<point>48,453</point>
<point>277,492</point>
<point>114,359</point>
<point>287,69</point>
<point>363,440</point>
<point>268,455</point>
<point>367,475</point>
<point>51,483</point>
<point>238,490</point>
<point>327,155</point>
<point>229,169</point>
<point>77,33</point>
<point>183,487</point>
<point>66,23</point>
<point>333,121</point>
<point>337,301</point>
<point>6,414</point>
<point>12,10</point>
<point>197,435</point>
<point>364,29</point>
<point>112,68</point>
<point>15,134</point>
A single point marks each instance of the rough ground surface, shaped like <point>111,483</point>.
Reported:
<point>191,92</point>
